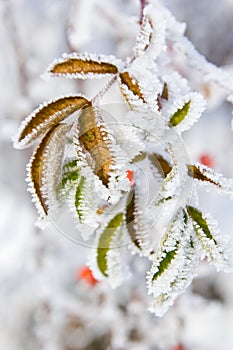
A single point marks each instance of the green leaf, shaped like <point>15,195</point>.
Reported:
<point>70,174</point>
<point>79,197</point>
<point>71,164</point>
<point>164,264</point>
<point>130,217</point>
<point>179,115</point>
<point>139,157</point>
<point>197,216</point>
<point>105,241</point>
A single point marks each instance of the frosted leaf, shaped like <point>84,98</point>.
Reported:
<point>145,71</point>
<point>158,36</point>
<point>135,222</point>
<point>128,140</point>
<point>94,140</point>
<point>139,157</point>
<point>164,95</point>
<point>176,86</point>
<point>162,166</point>
<point>100,154</point>
<point>90,204</point>
<point>163,205</point>
<point>130,88</point>
<point>186,111</point>
<point>46,116</point>
<point>117,269</point>
<point>70,179</point>
<point>70,175</point>
<point>207,177</point>
<point>179,115</point>
<point>130,215</point>
<point>79,197</point>
<point>165,92</point>
<point>45,167</point>
<point>79,190</point>
<point>83,202</point>
<point>84,66</point>
<point>211,241</point>
<point>174,192</point>
<point>150,125</point>
<point>181,107</point>
<point>86,170</point>
<point>169,188</point>
<point>104,243</point>
<point>144,37</point>
<point>173,266</point>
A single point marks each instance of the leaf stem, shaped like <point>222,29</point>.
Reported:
<point>102,92</point>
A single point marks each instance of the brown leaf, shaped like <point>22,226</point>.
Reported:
<point>195,172</point>
<point>163,96</point>
<point>94,140</point>
<point>37,164</point>
<point>165,93</point>
<point>132,84</point>
<point>208,177</point>
<point>79,66</point>
<point>46,116</point>
<point>160,163</point>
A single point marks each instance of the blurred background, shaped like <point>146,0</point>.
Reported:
<point>48,297</point>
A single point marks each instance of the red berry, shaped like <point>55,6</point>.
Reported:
<point>178,347</point>
<point>207,160</point>
<point>85,274</point>
<point>129,175</point>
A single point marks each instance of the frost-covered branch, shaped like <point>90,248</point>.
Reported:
<point>119,179</point>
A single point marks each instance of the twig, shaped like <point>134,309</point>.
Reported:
<point>143,4</point>
<point>17,47</point>
<point>104,90</point>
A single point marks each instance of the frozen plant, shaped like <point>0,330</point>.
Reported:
<point>122,180</point>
